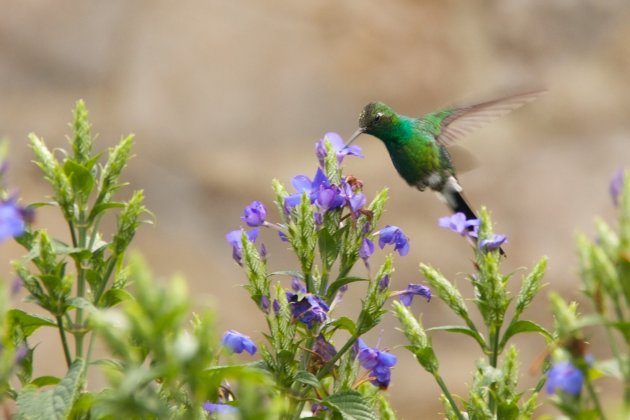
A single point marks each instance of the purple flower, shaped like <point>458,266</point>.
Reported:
<point>328,197</point>
<point>366,250</point>
<point>238,342</point>
<point>254,214</point>
<point>297,286</point>
<point>379,363</point>
<point>219,408</point>
<point>493,243</point>
<point>383,283</point>
<point>394,235</point>
<point>264,304</point>
<point>234,239</point>
<point>616,185</point>
<point>324,349</point>
<point>414,290</point>
<point>458,224</point>
<point>309,309</point>
<point>304,185</point>
<point>353,199</point>
<point>338,147</point>
<point>11,220</point>
<point>565,377</point>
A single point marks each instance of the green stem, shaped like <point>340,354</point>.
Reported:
<point>448,395</point>
<point>593,395</point>
<point>493,360</point>
<point>64,340</point>
<point>80,287</point>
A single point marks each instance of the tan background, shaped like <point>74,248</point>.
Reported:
<point>223,96</point>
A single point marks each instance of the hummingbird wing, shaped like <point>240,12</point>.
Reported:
<point>460,121</point>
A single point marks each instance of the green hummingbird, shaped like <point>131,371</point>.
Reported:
<point>418,146</point>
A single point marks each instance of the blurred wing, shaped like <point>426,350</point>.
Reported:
<point>464,120</point>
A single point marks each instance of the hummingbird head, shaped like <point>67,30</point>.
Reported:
<point>376,119</point>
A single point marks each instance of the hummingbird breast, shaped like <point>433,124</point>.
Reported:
<point>417,161</point>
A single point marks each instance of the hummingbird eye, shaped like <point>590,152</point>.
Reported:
<point>378,116</point>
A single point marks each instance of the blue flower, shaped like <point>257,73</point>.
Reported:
<point>458,224</point>
<point>379,363</point>
<point>297,285</point>
<point>354,199</point>
<point>254,214</point>
<point>219,408</point>
<point>565,377</point>
<point>309,309</point>
<point>238,342</point>
<point>394,235</point>
<point>328,197</point>
<point>406,297</point>
<point>616,185</point>
<point>304,185</point>
<point>366,250</point>
<point>338,147</point>
<point>383,283</point>
<point>493,243</point>
<point>234,239</point>
<point>11,220</point>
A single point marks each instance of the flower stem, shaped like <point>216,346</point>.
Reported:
<point>448,395</point>
<point>64,340</point>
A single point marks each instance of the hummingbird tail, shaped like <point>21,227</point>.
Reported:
<point>452,194</point>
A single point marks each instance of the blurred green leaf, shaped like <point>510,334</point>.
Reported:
<point>350,405</point>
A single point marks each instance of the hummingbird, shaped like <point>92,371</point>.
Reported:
<point>418,146</point>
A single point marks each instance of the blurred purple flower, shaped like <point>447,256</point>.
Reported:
<point>11,220</point>
<point>238,342</point>
<point>616,185</point>
<point>394,235</point>
<point>338,146</point>
<point>234,239</point>
<point>297,285</point>
<point>264,304</point>
<point>309,309</point>
<point>254,214</point>
<point>219,408</point>
<point>406,297</point>
<point>565,377</point>
<point>458,224</point>
<point>493,243</point>
<point>379,363</point>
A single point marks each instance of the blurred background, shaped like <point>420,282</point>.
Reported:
<point>223,96</point>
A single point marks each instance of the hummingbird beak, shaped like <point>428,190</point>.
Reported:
<point>354,136</point>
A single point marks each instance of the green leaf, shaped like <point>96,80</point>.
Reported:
<point>350,405</point>
<point>345,323</point>
<point>523,326</point>
<point>113,297</point>
<point>55,403</point>
<point>307,378</point>
<point>329,247</point>
<point>289,273</point>
<point>461,329</point>
<point>80,177</point>
<point>29,322</point>
<point>45,381</point>
<point>101,207</point>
